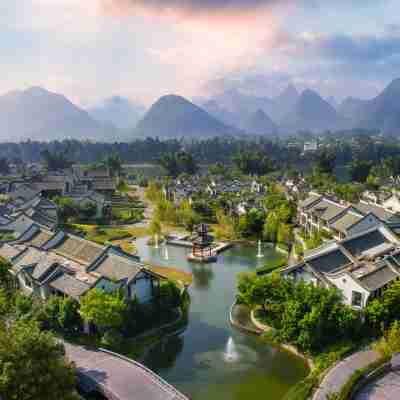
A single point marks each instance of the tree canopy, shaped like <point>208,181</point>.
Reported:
<point>252,162</point>
<point>105,310</point>
<point>55,160</point>
<point>33,366</point>
<point>178,163</point>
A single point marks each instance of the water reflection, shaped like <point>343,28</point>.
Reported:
<point>211,360</point>
<point>164,354</point>
<point>203,274</point>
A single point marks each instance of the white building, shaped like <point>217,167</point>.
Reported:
<point>360,266</point>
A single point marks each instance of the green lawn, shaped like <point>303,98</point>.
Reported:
<point>102,235</point>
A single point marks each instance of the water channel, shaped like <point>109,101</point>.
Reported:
<point>212,360</point>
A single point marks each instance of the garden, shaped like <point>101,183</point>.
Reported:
<point>315,321</point>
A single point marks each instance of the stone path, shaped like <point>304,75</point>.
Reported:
<point>385,388</point>
<point>117,377</point>
<point>338,375</point>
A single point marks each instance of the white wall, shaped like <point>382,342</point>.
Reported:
<point>369,222</point>
<point>347,285</point>
<point>392,204</point>
<point>142,290</point>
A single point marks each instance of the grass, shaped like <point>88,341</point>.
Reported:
<point>272,265</point>
<point>7,235</point>
<point>102,235</point>
<point>173,274</point>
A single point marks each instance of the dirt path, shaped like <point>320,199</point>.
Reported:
<point>148,211</point>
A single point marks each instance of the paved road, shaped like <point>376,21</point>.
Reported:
<point>118,378</point>
<point>338,375</point>
<point>385,388</point>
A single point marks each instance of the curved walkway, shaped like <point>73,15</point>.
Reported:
<point>341,372</point>
<point>240,317</point>
<point>117,377</point>
<point>385,388</point>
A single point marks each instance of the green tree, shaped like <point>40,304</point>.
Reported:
<point>33,366</point>
<point>187,216</point>
<point>284,234</point>
<point>55,161</point>
<point>178,163</point>
<point>67,208</point>
<point>6,279</point>
<point>326,161</point>
<point>271,227</point>
<point>24,307</point>
<point>68,314</point>
<point>155,227</point>
<point>114,164</point>
<point>5,306</point>
<point>389,344</point>
<point>105,310</point>
<point>252,162</point>
<point>360,170</point>
<point>226,227</point>
<point>4,166</point>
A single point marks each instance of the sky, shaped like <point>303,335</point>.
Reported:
<point>142,49</point>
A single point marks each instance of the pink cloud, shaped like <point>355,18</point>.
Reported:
<point>213,37</point>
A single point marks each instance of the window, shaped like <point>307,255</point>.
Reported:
<point>356,299</point>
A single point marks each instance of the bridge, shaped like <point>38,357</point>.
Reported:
<point>117,377</point>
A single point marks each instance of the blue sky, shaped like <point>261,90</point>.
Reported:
<point>143,49</point>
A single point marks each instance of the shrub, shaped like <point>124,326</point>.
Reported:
<point>112,339</point>
<point>271,266</point>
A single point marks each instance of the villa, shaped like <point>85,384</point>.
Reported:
<point>25,207</point>
<point>319,213</point>
<point>47,263</point>
<point>360,266</point>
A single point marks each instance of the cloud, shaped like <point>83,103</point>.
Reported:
<point>343,47</point>
<point>187,8</point>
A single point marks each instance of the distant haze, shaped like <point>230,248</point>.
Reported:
<point>39,114</point>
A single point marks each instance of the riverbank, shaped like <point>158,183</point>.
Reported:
<point>239,317</point>
<point>292,349</point>
<point>213,350</point>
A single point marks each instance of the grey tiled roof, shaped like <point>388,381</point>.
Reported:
<point>396,258</point>
<point>327,210</point>
<point>359,244</point>
<point>329,262</point>
<point>380,212</point>
<point>45,266</point>
<point>24,192</point>
<point>309,200</point>
<point>41,238</point>
<point>8,252</point>
<point>104,184</point>
<point>118,268</point>
<point>69,285</point>
<point>30,258</point>
<point>346,221</point>
<point>379,278</point>
<point>79,249</point>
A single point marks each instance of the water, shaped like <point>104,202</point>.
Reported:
<point>212,360</point>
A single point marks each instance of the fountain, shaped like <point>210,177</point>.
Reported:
<point>239,358</point>
<point>166,255</point>
<point>156,241</point>
<point>259,254</point>
<point>231,354</point>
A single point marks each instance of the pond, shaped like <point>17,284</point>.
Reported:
<point>212,360</point>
